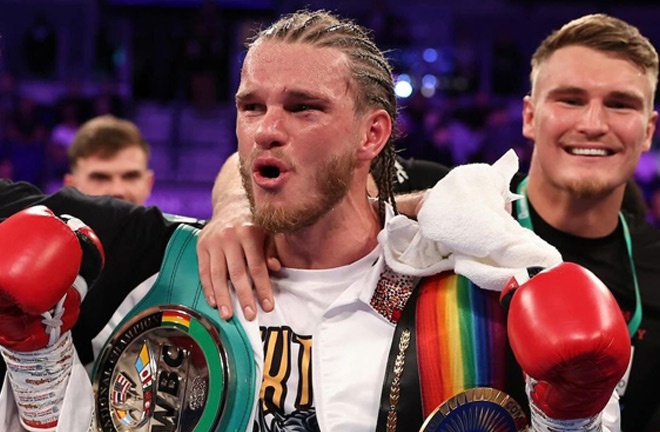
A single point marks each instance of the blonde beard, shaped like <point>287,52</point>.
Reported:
<point>588,189</point>
<point>331,182</point>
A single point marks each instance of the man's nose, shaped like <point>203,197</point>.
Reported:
<point>594,120</point>
<point>118,189</point>
<point>271,131</point>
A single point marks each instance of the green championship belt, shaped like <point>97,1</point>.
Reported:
<point>172,364</point>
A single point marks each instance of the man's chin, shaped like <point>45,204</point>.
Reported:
<point>276,219</point>
<point>285,219</point>
<point>589,188</point>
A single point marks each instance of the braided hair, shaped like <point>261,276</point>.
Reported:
<point>368,67</point>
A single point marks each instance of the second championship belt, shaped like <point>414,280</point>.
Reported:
<point>480,409</point>
<point>447,366</point>
<point>173,364</point>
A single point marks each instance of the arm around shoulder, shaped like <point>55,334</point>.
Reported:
<point>231,247</point>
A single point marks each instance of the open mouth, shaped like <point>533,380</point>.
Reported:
<point>269,171</point>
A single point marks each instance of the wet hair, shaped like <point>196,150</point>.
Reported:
<point>105,136</point>
<point>370,71</point>
<point>603,33</point>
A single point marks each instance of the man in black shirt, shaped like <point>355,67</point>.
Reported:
<point>590,114</point>
<point>121,227</point>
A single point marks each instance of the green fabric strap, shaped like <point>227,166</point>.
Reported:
<point>178,284</point>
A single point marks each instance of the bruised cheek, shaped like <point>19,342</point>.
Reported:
<point>317,141</point>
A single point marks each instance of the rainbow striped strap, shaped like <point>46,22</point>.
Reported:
<point>457,341</point>
<point>461,338</point>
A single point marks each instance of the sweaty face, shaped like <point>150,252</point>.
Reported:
<point>297,133</point>
<point>590,117</point>
<point>124,176</point>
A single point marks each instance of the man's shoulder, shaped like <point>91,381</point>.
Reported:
<point>415,174</point>
<point>643,233</point>
<point>181,219</point>
<point>15,196</point>
<point>20,188</point>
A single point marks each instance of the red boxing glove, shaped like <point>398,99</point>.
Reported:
<point>567,333</point>
<point>45,266</point>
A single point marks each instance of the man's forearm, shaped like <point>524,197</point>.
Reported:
<point>228,195</point>
<point>409,203</point>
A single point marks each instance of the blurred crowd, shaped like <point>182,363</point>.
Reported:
<point>34,137</point>
<point>465,121</point>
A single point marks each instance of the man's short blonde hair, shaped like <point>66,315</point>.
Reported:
<point>105,136</point>
<point>603,33</point>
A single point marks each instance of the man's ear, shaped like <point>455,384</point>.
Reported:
<point>68,180</point>
<point>650,130</point>
<point>528,118</point>
<point>377,131</point>
<point>150,179</point>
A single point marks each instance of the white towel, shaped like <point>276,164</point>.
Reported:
<point>465,225</point>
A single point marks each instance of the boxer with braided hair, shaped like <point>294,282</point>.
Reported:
<point>371,74</point>
<point>333,354</point>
